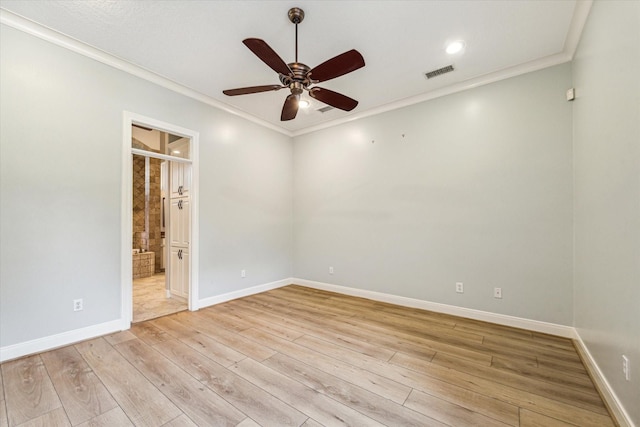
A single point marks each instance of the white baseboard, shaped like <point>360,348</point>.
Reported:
<point>59,340</point>
<point>501,319</point>
<point>206,302</point>
<point>54,341</point>
<point>39,345</point>
<point>70,337</point>
<point>609,396</point>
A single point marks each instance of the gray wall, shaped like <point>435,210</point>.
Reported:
<point>475,188</point>
<point>606,75</point>
<point>60,189</point>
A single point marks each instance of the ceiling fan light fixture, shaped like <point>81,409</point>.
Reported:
<point>298,77</point>
<point>303,103</point>
<point>455,47</point>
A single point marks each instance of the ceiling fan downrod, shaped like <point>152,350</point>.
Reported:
<point>297,81</point>
<point>296,16</point>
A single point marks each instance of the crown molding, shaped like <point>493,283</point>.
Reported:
<point>30,27</point>
<point>580,15</point>
<point>485,79</point>
<point>578,21</point>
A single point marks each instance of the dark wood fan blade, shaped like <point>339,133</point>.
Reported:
<point>290,108</point>
<point>263,51</point>
<point>251,89</point>
<point>337,66</point>
<point>332,98</point>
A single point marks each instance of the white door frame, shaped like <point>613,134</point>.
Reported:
<point>128,119</point>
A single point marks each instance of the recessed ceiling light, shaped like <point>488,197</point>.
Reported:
<point>455,47</point>
<point>303,103</point>
<point>175,152</point>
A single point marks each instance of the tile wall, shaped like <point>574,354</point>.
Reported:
<point>146,207</point>
<point>143,265</point>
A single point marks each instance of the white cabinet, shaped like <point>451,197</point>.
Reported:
<point>180,223</point>
<point>179,276</point>
<point>180,179</point>
<point>179,228</point>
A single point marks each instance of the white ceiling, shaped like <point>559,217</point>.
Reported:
<point>198,44</point>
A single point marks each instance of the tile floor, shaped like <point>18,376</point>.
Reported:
<point>150,299</point>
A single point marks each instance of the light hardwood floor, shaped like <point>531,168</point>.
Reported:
<point>150,299</point>
<point>297,356</point>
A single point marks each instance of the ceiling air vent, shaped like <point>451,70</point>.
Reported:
<point>439,71</point>
<point>325,109</point>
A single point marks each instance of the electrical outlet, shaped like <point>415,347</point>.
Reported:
<point>459,287</point>
<point>243,273</point>
<point>497,293</point>
<point>77,305</point>
<point>626,368</point>
<point>330,270</point>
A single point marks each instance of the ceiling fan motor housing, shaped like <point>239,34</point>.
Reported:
<point>298,74</point>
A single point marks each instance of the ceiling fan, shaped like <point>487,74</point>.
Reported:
<point>298,77</point>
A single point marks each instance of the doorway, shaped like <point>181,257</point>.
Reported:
<point>160,278</point>
<point>159,264</point>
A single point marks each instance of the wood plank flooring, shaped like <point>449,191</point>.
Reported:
<point>296,356</point>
